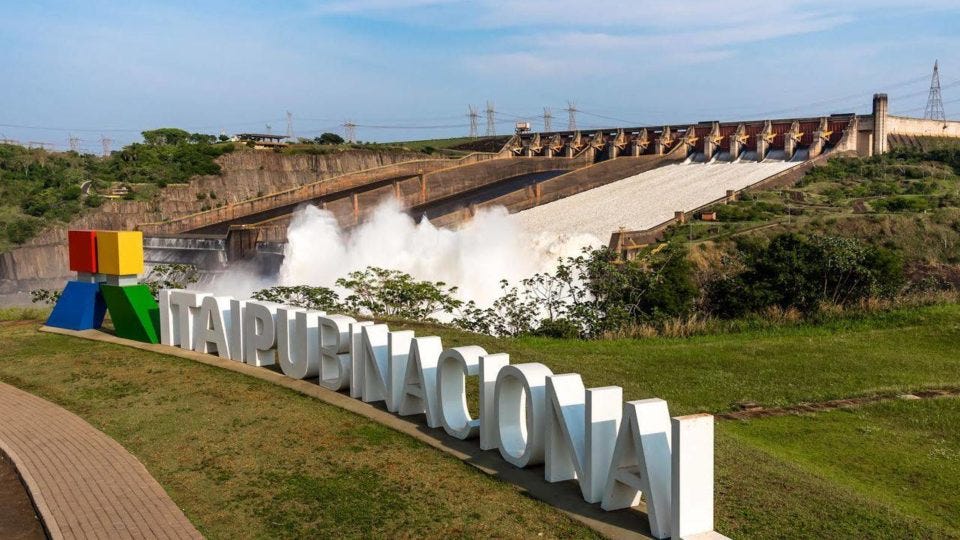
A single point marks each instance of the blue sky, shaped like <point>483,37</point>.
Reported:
<point>116,68</point>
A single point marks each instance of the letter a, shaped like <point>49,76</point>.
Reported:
<point>420,381</point>
<point>642,464</point>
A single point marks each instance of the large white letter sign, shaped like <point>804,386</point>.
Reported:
<point>419,394</point>
<point>335,351</point>
<point>581,427</point>
<point>169,335</point>
<point>181,309</point>
<point>398,349</point>
<point>357,358</point>
<point>490,366</point>
<point>298,342</point>
<point>237,309</point>
<point>692,476</point>
<point>452,369</point>
<point>375,349</point>
<point>213,327</point>
<point>259,333</point>
<point>641,463</point>
<point>520,405</point>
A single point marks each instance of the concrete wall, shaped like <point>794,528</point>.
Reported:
<point>898,125</point>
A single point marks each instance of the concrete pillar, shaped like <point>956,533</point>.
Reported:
<point>611,150</point>
<point>568,151</point>
<point>879,124</point>
<point>548,152</point>
<point>680,217</point>
<point>763,140</point>
<point>731,195</point>
<point>790,141</point>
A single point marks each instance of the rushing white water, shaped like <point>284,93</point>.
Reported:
<point>475,257</point>
<point>494,245</point>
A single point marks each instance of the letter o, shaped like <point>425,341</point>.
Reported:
<point>453,366</point>
<point>520,398</point>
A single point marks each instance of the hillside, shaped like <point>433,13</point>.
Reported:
<point>172,181</point>
<point>907,201</point>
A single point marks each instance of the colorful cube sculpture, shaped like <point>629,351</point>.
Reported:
<point>134,312</point>
<point>83,251</point>
<point>80,307</point>
<point>120,253</point>
<point>117,258</point>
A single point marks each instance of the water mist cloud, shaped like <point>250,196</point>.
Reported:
<point>476,257</point>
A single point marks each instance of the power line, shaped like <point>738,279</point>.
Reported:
<point>491,121</point>
<point>105,143</point>
<point>934,108</point>
<point>571,116</point>
<point>474,121</point>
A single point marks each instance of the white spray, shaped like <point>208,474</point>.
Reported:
<point>475,257</point>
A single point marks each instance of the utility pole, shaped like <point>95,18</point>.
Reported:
<point>547,119</point>
<point>105,143</point>
<point>289,125</point>
<point>934,109</point>
<point>474,117</point>
<point>74,142</point>
<point>571,116</point>
<point>491,122</point>
<point>350,131</point>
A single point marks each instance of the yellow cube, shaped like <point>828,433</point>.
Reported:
<point>120,253</point>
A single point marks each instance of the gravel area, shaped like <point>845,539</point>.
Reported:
<point>643,201</point>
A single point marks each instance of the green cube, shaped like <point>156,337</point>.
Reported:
<point>134,312</point>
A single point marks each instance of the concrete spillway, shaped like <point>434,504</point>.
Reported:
<point>645,200</point>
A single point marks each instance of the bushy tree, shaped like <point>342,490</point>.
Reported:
<point>305,296</point>
<point>382,292</point>
<point>170,276</point>
<point>794,271</point>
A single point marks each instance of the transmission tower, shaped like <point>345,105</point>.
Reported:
<point>74,143</point>
<point>105,142</point>
<point>289,125</point>
<point>934,109</point>
<point>547,119</point>
<point>269,129</point>
<point>474,117</point>
<point>571,116</point>
<point>350,131</point>
<point>491,121</point>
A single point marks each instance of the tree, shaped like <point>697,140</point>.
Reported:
<point>794,271</point>
<point>305,296</point>
<point>161,136</point>
<point>329,138</point>
<point>381,292</point>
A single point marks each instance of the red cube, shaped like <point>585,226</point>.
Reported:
<point>83,251</point>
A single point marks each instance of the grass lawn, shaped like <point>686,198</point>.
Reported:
<point>246,459</point>
<point>220,445</point>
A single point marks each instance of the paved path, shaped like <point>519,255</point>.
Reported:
<point>83,483</point>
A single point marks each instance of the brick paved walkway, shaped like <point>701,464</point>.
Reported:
<point>83,483</point>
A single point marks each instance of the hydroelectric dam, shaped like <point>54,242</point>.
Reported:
<point>621,186</point>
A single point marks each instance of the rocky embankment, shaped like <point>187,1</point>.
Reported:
<point>42,262</point>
